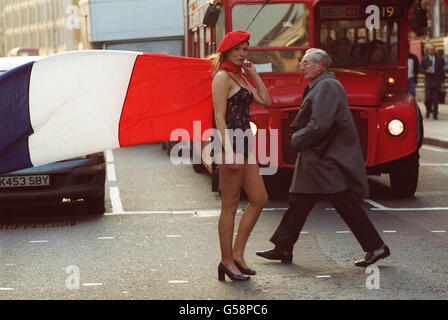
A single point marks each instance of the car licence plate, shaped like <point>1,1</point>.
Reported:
<point>24,181</point>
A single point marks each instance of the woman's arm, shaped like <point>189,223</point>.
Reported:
<point>261,93</point>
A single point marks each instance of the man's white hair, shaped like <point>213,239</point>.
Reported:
<point>317,54</point>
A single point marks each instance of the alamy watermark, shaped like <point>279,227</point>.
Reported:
<point>373,280</point>
<point>73,280</point>
<point>236,140</point>
<point>373,20</point>
<point>73,17</point>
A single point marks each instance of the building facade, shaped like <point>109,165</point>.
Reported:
<point>136,25</point>
<point>42,24</point>
<point>55,26</point>
<point>437,30</point>
<point>436,34</point>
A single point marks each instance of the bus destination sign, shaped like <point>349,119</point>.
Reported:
<point>356,12</point>
<point>340,12</point>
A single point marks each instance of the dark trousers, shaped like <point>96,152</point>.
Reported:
<point>345,203</point>
<point>432,100</point>
<point>411,86</point>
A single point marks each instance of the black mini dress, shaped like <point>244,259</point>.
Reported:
<point>238,117</point>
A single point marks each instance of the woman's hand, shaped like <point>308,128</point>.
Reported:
<point>261,94</point>
<point>249,67</point>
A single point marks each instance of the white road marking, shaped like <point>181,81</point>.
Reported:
<point>109,156</point>
<point>111,176</point>
<point>38,241</point>
<point>196,213</point>
<point>432,148</point>
<point>438,231</point>
<point>173,236</point>
<point>374,204</point>
<point>304,232</point>
<point>324,276</point>
<point>389,231</point>
<point>150,212</point>
<point>433,164</point>
<point>380,207</point>
<point>92,284</point>
<point>177,281</point>
<point>105,238</point>
<point>216,212</point>
<point>275,209</point>
<point>6,289</point>
<point>410,209</point>
<point>342,231</point>
<point>207,213</point>
<point>117,207</point>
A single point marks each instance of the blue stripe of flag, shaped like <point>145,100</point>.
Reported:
<point>15,123</point>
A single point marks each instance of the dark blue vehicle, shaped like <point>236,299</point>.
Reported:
<point>70,182</point>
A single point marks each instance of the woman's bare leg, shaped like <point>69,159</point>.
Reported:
<point>230,183</point>
<point>255,189</point>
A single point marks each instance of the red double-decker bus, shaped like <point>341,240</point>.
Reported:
<point>369,48</point>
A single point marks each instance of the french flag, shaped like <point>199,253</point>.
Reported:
<point>81,102</point>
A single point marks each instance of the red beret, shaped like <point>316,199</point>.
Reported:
<point>233,39</point>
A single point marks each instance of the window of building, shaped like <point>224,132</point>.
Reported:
<point>444,20</point>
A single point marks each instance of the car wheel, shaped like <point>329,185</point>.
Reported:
<point>95,205</point>
<point>404,176</point>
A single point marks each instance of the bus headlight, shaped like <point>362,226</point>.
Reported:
<point>395,127</point>
<point>254,128</point>
<point>391,81</point>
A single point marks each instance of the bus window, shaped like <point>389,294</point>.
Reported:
<point>350,42</point>
<point>220,27</point>
<point>275,26</point>
<point>194,47</point>
<point>276,60</point>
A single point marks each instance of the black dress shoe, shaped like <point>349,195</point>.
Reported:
<point>243,270</point>
<point>427,115</point>
<point>222,271</point>
<point>276,254</point>
<point>435,116</point>
<point>373,256</point>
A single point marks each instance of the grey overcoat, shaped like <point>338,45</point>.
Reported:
<point>340,166</point>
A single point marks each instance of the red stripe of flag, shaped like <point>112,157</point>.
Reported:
<point>165,93</point>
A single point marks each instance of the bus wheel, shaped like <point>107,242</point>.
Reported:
<point>404,176</point>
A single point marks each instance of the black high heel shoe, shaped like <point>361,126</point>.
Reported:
<point>222,271</point>
<point>243,270</point>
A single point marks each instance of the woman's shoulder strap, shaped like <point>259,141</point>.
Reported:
<point>233,78</point>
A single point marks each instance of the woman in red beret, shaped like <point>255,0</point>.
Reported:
<point>232,96</point>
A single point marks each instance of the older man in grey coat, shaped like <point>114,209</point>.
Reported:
<point>330,164</point>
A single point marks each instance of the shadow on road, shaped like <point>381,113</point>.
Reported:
<point>44,217</point>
